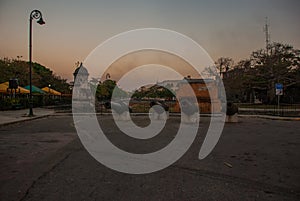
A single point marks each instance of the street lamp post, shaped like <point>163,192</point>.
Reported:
<point>37,15</point>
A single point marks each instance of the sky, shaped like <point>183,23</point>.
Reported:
<point>231,28</point>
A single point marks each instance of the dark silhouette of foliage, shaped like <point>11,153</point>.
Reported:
<point>41,75</point>
<point>256,77</point>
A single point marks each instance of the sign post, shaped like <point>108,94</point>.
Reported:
<point>279,92</point>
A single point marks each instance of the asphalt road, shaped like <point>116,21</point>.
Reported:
<point>256,159</point>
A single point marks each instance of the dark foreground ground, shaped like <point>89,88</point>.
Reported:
<point>255,159</point>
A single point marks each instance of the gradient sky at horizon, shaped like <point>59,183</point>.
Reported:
<point>232,28</point>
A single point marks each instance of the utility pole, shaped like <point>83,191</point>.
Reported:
<point>267,35</point>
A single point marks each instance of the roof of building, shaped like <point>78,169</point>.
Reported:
<point>190,80</point>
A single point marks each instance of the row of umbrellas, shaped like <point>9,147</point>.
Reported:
<point>4,88</point>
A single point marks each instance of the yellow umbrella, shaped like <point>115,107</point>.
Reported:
<point>51,91</point>
<point>4,89</point>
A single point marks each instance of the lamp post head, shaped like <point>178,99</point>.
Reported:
<point>36,14</point>
<point>41,21</point>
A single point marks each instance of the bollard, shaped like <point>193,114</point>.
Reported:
<point>231,113</point>
<point>189,111</point>
<point>159,110</point>
<point>120,110</point>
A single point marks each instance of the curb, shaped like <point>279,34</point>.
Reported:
<point>24,120</point>
<point>202,115</point>
<point>142,114</point>
<point>271,117</point>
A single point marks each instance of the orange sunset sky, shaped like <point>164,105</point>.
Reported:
<point>232,28</point>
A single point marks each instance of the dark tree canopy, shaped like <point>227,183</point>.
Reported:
<point>106,89</point>
<point>41,76</point>
<point>255,78</point>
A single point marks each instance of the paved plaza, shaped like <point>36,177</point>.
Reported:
<point>255,159</point>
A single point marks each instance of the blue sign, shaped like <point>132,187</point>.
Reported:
<point>278,86</point>
<point>279,89</point>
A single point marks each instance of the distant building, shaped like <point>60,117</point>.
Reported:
<point>205,90</point>
<point>207,102</point>
<point>171,84</point>
<point>145,88</point>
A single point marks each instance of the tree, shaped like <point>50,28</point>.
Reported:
<point>156,91</point>
<point>279,65</point>
<point>236,82</point>
<point>41,75</point>
<point>107,88</point>
<point>223,65</point>
<point>256,77</point>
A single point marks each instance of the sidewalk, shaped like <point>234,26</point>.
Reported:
<point>270,117</point>
<point>14,116</point>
